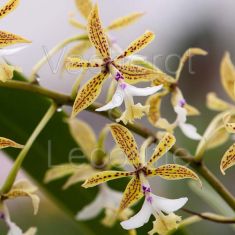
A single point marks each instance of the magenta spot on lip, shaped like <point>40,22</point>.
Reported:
<point>118,76</point>
<point>123,86</point>
<point>150,199</point>
<point>182,103</point>
<point>146,189</point>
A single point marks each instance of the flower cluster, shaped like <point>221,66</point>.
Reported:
<point>121,69</point>
<point>139,186</point>
<point>227,71</point>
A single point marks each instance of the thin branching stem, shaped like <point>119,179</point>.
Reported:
<point>52,52</point>
<point>212,217</point>
<point>19,160</point>
<point>62,99</point>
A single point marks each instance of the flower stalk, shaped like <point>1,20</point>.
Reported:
<point>52,52</point>
<point>63,99</point>
<point>18,162</point>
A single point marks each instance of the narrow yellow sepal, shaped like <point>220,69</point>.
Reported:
<point>138,44</point>
<point>8,7</point>
<point>125,21</point>
<point>74,22</point>
<point>5,143</point>
<point>78,129</point>
<point>97,34</point>
<point>103,177</point>
<point>135,74</point>
<point>58,172</point>
<point>132,193</point>
<point>88,94</point>
<point>125,140</point>
<point>215,103</point>
<point>230,126</point>
<point>174,172</point>
<point>163,147</point>
<point>77,51</point>
<point>228,159</point>
<point>188,54</point>
<point>227,73</point>
<point>76,63</point>
<point>84,6</point>
<point>155,102</point>
<point>8,39</point>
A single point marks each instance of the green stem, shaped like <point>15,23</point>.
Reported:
<point>212,217</point>
<point>52,52</point>
<point>215,183</point>
<point>63,99</point>
<point>18,162</point>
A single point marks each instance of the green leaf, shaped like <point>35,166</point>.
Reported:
<point>20,113</point>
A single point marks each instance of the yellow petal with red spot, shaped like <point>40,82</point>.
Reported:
<point>88,94</point>
<point>132,193</point>
<point>76,63</point>
<point>138,44</point>
<point>8,39</point>
<point>227,73</point>
<point>5,143</point>
<point>163,147</point>
<point>125,21</point>
<point>8,7</point>
<point>230,126</point>
<point>84,6</point>
<point>103,177</point>
<point>188,54</point>
<point>215,103</point>
<point>97,34</point>
<point>173,172</point>
<point>134,74</point>
<point>125,140</point>
<point>228,159</point>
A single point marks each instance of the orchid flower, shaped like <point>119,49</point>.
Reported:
<point>124,93</point>
<point>22,188</point>
<point>84,8</point>
<point>142,169</point>
<point>154,205</point>
<point>131,73</point>
<point>171,86</point>
<point>189,130</point>
<point>181,120</point>
<point>227,72</point>
<point>109,200</point>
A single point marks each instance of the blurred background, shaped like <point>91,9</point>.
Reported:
<point>178,25</point>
